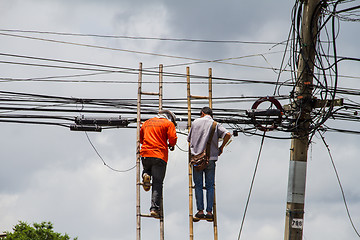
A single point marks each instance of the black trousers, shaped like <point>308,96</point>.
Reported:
<point>156,168</point>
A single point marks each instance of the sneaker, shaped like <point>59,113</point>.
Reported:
<point>155,213</point>
<point>198,216</point>
<point>146,182</point>
<point>209,217</point>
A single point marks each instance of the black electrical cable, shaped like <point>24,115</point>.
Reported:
<point>340,185</point>
<point>140,38</point>
<point>342,130</point>
<point>100,67</point>
<point>181,148</point>
<point>34,123</point>
<point>296,22</point>
<point>251,186</point>
<point>111,168</point>
<point>118,49</point>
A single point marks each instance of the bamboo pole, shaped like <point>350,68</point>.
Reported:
<point>214,206</point>
<point>162,234</point>
<point>138,123</point>
<point>215,217</point>
<point>160,87</point>
<point>210,88</point>
<point>191,220</point>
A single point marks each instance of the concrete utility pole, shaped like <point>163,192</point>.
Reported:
<point>303,107</point>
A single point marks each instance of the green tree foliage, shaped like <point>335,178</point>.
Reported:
<point>39,231</point>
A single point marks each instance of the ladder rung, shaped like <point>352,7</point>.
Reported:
<point>202,219</point>
<point>150,93</point>
<point>193,187</point>
<point>149,216</point>
<point>199,97</point>
<point>149,184</point>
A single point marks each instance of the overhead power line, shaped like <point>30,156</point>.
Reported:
<point>340,185</point>
<point>99,69</point>
<point>196,60</point>
<point>142,38</point>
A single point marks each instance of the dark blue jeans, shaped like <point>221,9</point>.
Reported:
<point>198,177</point>
<point>156,168</point>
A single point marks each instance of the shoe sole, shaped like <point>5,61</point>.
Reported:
<point>146,183</point>
<point>209,219</point>
<point>155,214</point>
<point>197,217</point>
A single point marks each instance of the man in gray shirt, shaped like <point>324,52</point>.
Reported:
<point>198,137</point>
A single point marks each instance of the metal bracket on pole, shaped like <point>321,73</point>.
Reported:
<point>318,104</point>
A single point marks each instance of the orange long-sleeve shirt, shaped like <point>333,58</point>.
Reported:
<point>154,136</point>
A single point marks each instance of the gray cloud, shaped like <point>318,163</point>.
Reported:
<point>51,174</point>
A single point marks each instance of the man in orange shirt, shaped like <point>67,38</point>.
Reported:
<point>156,136</point>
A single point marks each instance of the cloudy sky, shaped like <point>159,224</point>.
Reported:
<point>49,173</point>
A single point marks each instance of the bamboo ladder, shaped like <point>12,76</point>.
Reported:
<point>139,215</point>
<point>191,187</point>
